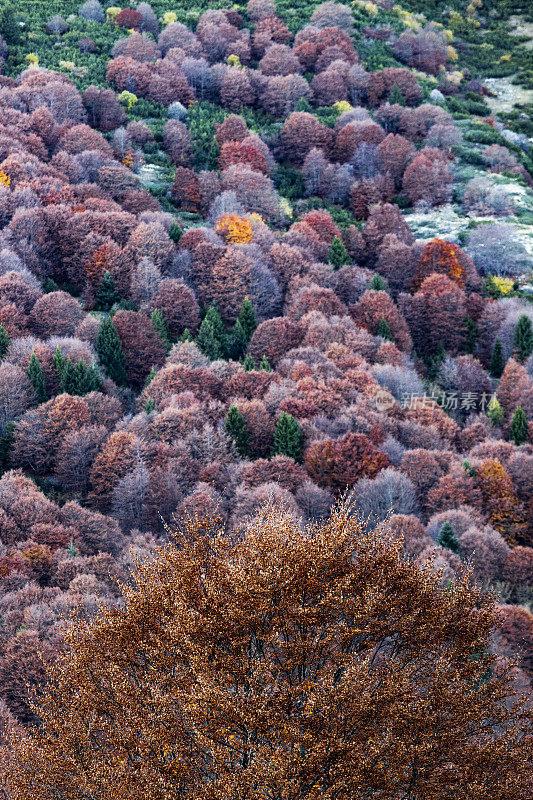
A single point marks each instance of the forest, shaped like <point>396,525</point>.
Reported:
<point>278,255</point>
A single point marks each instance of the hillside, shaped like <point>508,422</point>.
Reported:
<point>261,252</point>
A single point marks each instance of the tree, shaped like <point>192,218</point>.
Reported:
<point>337,254</point>
<point>497,362</point>
<point>141,346</point>
<point>110,351</point>
<point>495,411</point>
<point>246,703</point>
<point>384,330</point>
<point>447,538</point>
<point>340,464</point>
<point>288,437</point>
<point>519,427</point>
<point>235,427</point>
<point>212,337</point>
<point>247,318</point>
<point>35,374</point>
<point>161,327</point>
<point>106,295</point>
<point>4,341</point>
<point>523,338</point>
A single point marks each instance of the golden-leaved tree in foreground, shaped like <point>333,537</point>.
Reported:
<point>285,665</point>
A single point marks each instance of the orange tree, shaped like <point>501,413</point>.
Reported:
<point>287,664</point>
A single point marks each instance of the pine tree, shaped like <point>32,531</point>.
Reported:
<point>212,338</point>
<point>4,341</point>
<point>36,376</point>
<point>79,379</point>
<point>110,352</point>
<point>496,361</point>
<point>247,318</point>
<point>107,294</point>
<point>337,254</point>
<point>519,427</point>
<point>149,378</point>
<point>149,406</point>
<point>68,382</point>
<point>175,232</point>
<point>249,363</point>
<point>495,411</point>
<point>235,427</point>
<point>384,330</point>
<point>238,341</point>
<point>523,337</point>
<point>471,335</point>
<point>377,283</point>
<point>447,538</point>
<point>288,437</point>
<point>186,336</point>
<point>265,365</point>
<point>58,361</point>
<point>161,327</point>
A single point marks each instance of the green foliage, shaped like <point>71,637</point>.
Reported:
<point>106,295</point>
<point>235,427</point>
<point>212,338</point>
<point>37,379</point>
<point>6,442</point>
<point>149,378</point>
<point>249,363</point>
<point>161,327</point>
<point>238,342</point>
<point>149,406</point>
<point>186,336</point>
<point>497,362</point>
<point>288,437</point>
<point>175,232</point>
<point>523,337</point>
<point>247,318</point>
<point>471,335</point>
<point>384,330</point>
<point>4,341</point>
<point>265,365</point>
<point>377,283</point>
<point>289,182</point>
<point>396,96</point>
<point>495,412</point>
<point>110,353</point>
<point>447,538</point>
<point>519,427</point>
<point>337,254</point>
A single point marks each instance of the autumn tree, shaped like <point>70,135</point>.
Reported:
<point>339,711</point>
<point>339,464</point>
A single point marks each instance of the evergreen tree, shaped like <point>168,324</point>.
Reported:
<point>384,330</point>
<point>495,411</point>
<point>523,338</point>
<point>447,538</point>
<point>175,232</point>
<point>79,379</point>
<point>377,283</point>
<point>185,336</point>
<point>9,26</point>
<point>36,376</point>
<point>396,96</point>
<point>58,361</point>
<point>238,341</point>
<point>110,351</point>
<point>149,378</point>
<point>4,341</point>
<point>107,294</point>
<point>265,365</point>
<point>149,406</point>
<point>337,254</point>
<point>235,427</point>
<point>6,441</point>
<point>288,437</point>
<point>519,427</point>
<point>212,338</point>
<point>471,335</point>
<point>161,327</point>
<point>247,318</point>
<point>497,363</point>
<point>249,363</point>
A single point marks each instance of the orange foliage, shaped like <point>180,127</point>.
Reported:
<point>439,256</point>
<point>505,510</point>
<point>235,229</point>
<point>5,180</point>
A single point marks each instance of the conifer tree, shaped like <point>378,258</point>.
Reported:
<point>109,349</point>
<point>4,341</point>
<point>36,376</point>
<point>149,406</point>
<point>107,294</point>
<point>377,283</point>
<point>519,427</point>
<point>265,365</point>
<point>212,337</point>
<point>337,254</point>
<point>79,379</point>
<point>523,338</point>
<point>249,363</point>
<point>288,437</point>
<point>447,538</point>
<point>471,335</point>
<point>151,375</point>
<point>496,362</point>
<point>495,411</point>
<point>238,341</point>
<point>186,336</point>
<point>247,318</point>
<point>235,427</point>
<point>384,330</point>
<point>161,327</point>
<point>58,360</point>
<point>396,96</point>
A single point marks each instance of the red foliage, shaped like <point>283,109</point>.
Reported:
<point>128,18</point>
<point>338,465</point>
